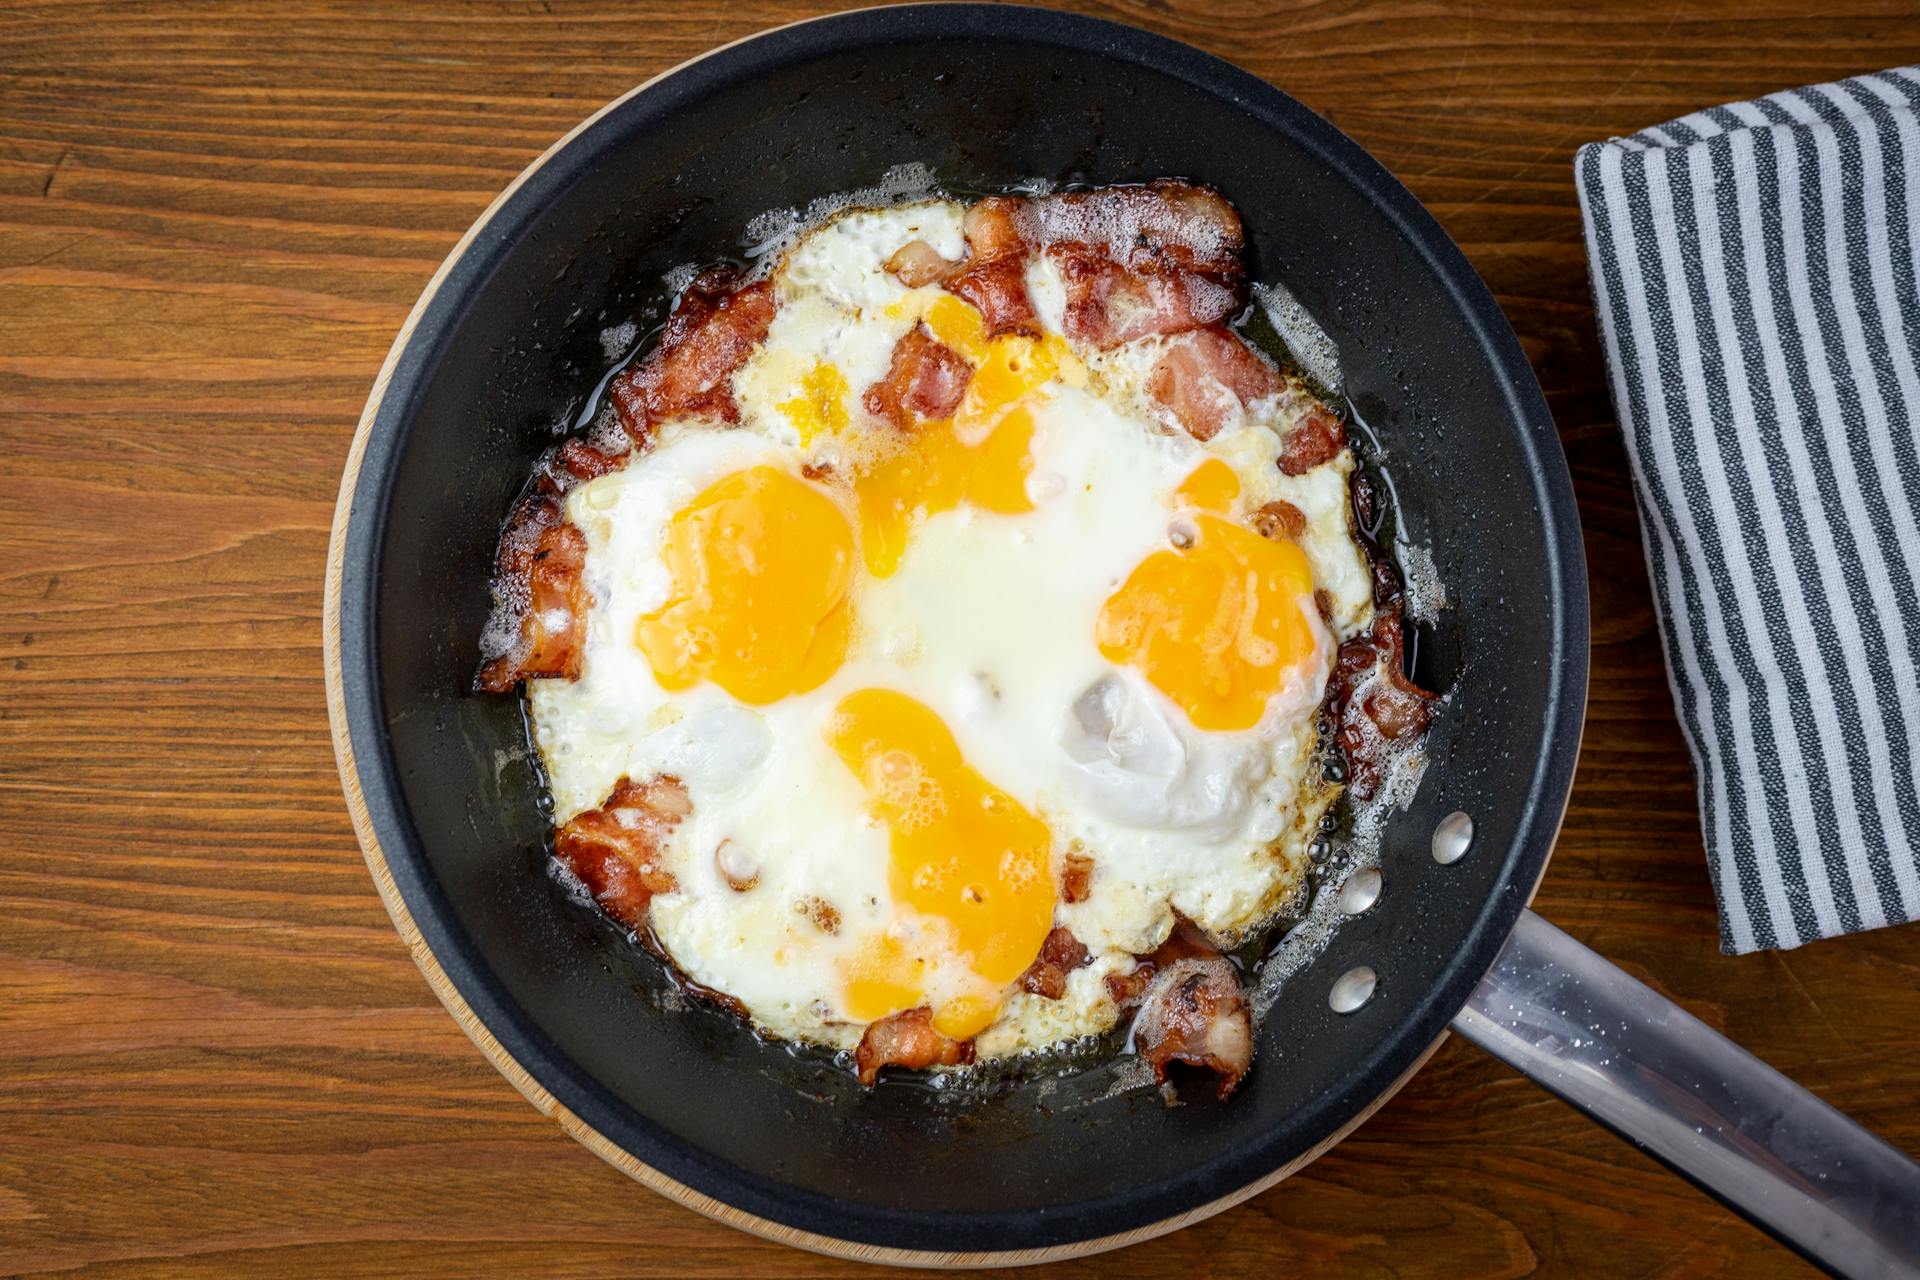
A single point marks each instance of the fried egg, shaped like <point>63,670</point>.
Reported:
<point>903,675</point>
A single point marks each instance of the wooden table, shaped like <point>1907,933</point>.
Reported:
<point>215,1056</point>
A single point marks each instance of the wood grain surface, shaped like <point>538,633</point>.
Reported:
<point>215,1055</point>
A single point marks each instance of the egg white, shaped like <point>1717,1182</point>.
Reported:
<point>989,620</point>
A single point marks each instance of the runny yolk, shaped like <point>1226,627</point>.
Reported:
<point>1219,626</point>
<point>1211,486</point>
<point>971,862</point>
<point>981,456</point>
<point>760,562</point>
<point>821,407</point>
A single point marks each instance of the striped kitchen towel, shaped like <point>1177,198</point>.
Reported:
<point>1754,268</point>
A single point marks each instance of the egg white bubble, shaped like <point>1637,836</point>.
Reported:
<point>989,620</point>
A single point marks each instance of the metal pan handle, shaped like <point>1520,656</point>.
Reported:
<point>1673,1086</point>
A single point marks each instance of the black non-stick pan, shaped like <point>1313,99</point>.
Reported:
<point>498,356</point>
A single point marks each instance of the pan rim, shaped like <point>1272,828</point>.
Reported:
<point>453,967</point>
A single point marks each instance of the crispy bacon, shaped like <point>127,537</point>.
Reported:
<point>1162,258</point>
<point>1206,377</point>
<point>615,850</point>
<point>1365,499</point>
<point>926,380</point>
<point>1059,955</point>
<point>1138,261</point>
<point>1371,701</point>
<point>574,463</point>
<point>917,263</point>
<point>538,626</point>
<point>1076,878</point>
<point>1194,1013</point>
<point>1191,1009</point>
<point>715,325</point>
<point>540,603</point>
<point>907,1040</point>
<point>994,275</point>
<point>1316,438</point>
<point>1185,942</point>
<point>1108,304</point>
<point>1126,989</point>
<point>1164,225</point>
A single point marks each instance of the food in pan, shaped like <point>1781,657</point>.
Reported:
<point>952,637</point>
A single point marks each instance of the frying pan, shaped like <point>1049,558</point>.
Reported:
<point>494,361</point>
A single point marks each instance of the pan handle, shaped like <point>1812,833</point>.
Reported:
<point>1664,1080</point>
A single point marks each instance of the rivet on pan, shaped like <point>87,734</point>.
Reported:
<point>1353,989</point>
<point>1452,838</point>
<point>1361,891</point>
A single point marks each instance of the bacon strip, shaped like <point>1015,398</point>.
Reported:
<point>574,463</point>
<point>1318,437</point>
<point>1157,259</point>
<point>1206,377</point>
<point>926,380</point>
<point>714,327</point>
<point>1059,955</point>
<point>1164,225</point>
<point>907,1040</point>
<point>615,850</point>
<point>539,623</point>
<point>1191,1009</point>
<point>1372,702</point>
<point>1138,261</point>
<point>994,275</point>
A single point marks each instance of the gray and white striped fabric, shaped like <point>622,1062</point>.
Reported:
<point>1754,268</point>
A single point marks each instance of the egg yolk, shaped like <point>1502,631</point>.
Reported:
<point>760,562</point>
<point>1219,626</point>
<point>958,323</point>
<point>1211,486</point>
<point>981,456</point>
<point>971,861</point>
<point>821,407</point>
